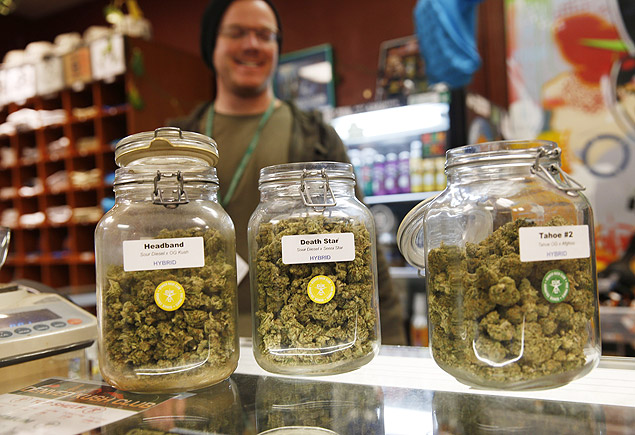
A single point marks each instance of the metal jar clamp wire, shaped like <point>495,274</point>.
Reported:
<point>568,185</point>
<point>305,190</point>
<point>181,194</point>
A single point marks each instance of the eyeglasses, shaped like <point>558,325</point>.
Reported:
<point>238,32</point>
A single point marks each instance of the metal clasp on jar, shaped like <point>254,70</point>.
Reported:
<point>305,190</point>
<point>550,172</point>
<point>180,195</point>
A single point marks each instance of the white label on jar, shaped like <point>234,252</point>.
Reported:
<point>554,243</point>
<point>318,248</point>
<point>156,254</point>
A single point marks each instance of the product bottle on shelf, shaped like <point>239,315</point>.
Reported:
<point>432,145</point>
<point>426,138</point>
<point>379,175</point>
<point>416,179</point>
<point>356,160</point>
<point>419,321</point>
<point>403,182</point>
<point>366,180</point>
<point>427,141</point>
<point>441,142</point>
<point>392,174</point>
<point>428,175</point>
<point>439,178</point>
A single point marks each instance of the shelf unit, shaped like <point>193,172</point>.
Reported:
<point>399,197</point>
<point>61,255</point>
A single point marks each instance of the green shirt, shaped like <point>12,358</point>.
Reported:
<point>232,134</point>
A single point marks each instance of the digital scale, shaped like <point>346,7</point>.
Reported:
<point>35,324</point>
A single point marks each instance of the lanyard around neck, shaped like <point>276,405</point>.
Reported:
<point>250,148</point>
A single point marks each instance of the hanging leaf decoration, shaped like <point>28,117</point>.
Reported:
<point>134,98</point>
<point>136,63</point>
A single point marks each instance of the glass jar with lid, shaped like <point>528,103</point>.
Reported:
<point>165,259</point>
<point>313,271</point>
<point>509,258</point>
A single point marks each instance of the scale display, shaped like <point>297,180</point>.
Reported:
<point>36,325</point>
<point>13,320</point>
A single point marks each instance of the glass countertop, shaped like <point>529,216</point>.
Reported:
<point>401,391</point>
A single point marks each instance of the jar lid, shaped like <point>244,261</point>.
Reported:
<point>296,172</point>
<point>502,151</point>
<point>166,142</point>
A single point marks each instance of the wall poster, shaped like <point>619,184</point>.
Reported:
<point>401,69</point>
<point>306,77</point>
<point>570,71</point>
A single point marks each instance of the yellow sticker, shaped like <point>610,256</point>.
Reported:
<point>321,289</point>
<point>169,295</point>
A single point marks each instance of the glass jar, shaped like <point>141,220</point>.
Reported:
<point>166,268</point>
<point>509,257</point>
<point>313,271</point>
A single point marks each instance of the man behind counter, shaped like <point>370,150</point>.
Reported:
<point>240,42</point>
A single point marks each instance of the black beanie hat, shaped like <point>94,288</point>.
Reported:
<point>211,21</point>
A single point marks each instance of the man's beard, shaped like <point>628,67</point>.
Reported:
<point>250,91</point>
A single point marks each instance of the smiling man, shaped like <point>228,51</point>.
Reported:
<point>245,57</point>
<point>240,42</point>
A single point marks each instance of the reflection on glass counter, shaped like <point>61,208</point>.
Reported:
<point>248,404</point>
<point>341,408</point>
<point>214,410</point>
<point>470,414</point>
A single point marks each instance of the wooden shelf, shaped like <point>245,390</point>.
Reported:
<point>61,255</point>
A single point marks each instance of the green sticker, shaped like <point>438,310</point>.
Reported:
<point>555,286</point>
